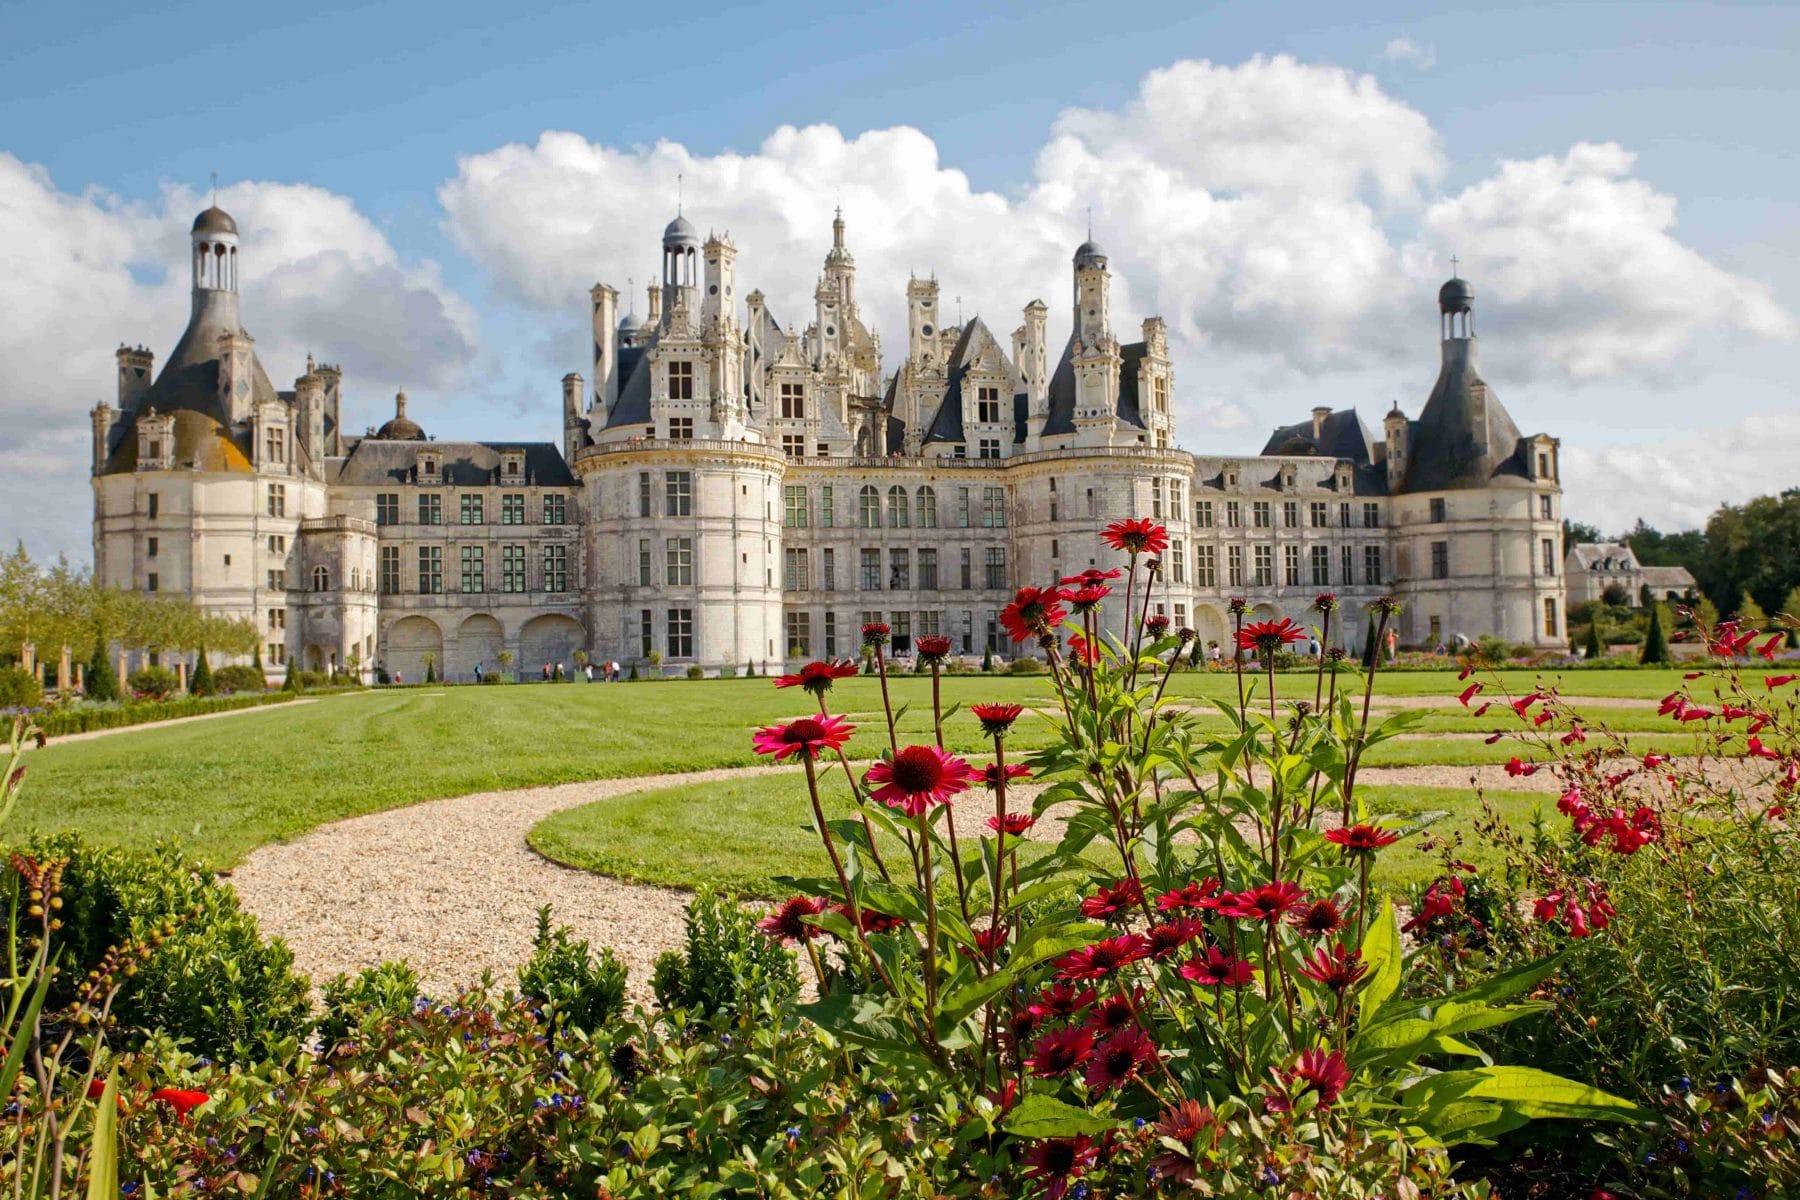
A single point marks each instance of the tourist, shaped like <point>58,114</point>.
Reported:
<point>546,672</point>
<point>477,672</point>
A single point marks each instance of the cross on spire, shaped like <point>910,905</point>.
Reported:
<point>678,195</point>
<point>1453,261</point>
<point>215,189</point>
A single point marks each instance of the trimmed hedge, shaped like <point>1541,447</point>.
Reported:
<point>86,720</point>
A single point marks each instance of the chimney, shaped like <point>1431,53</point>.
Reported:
<point>655,317</point>
<point>1319,414</point>
<point>606,346</point>
<point>309,397</point>
<point>571,415</point>
<point>135,363</point>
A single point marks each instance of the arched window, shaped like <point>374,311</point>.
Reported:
<point>321,579</point>
<point>926,516</point>
<point>899,515</point>
<point>869,507</point>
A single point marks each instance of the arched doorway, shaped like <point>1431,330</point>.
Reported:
<point>551,638</point>
<point>409,640</point>
<point>479,640</point>
<point>1212,626</point>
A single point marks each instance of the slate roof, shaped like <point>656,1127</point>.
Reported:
<point>947,424</point>
<point>1463,438</point>
<point>633,405</point>
<point>1343,436</point>
<point>374,461</point>
<point>1062,389</point>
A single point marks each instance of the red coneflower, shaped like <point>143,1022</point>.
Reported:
<point>1188,895</point>
<point>1237,606</point>
<point>1157,625</point>
<point>875,634</point>
<point>918,777</point>
<point>1033,610</point>
<point>1266,637</point>
<point>1060,1051</point>
<point>1114,1013</point>
<point>1321,918</point>
<point>872,921</point>
<point>1325,602</point>
<point>1055,1161</point>
<point>1361,839</point>
<point>785,924</point>
<point>1083,599</point>
<point>1016,823</point>
<point>990,941</point>
<point>996,719</point>
<point>1325,1073</point>
<point>182,1100</point>
<point>1109,902</point>
<point>1170,936</point>
<point>806,736</point>
<point>1103,957</point>
<point>1120,1058</point>
<point>1218,969</point>
<point>1083,651</point>
<point>1092,577</point>
<point>1182,1124</point>
<point>991,774</point>
<point>1266,901</point>
<point>1337,968</point>
<point>817,677</point>
<point>1061,1000</point>
<point>932,648</point>
<point>1139,535</point>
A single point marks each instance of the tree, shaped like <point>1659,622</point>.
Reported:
<point>987,658</point>
<point>102,682</point>
<point>200,683</point>
<point>1791,607</point>
<point>1686,548</point>
<point>1616,594</point>
<point>1576,532</point>
<point>1368,654</point>
<point>1596,649</point>
<point>1656,641</point>
<point>1706,613</point>
<point>430,667</point>
<point>292,682</point>
<point>1749,612</point>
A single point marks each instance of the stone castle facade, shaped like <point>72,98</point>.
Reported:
<point>732,490</point>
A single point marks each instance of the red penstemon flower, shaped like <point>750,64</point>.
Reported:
<point>1266,637</point>
<point>1110,902</point>
<point>1103,957</point>
<point>1321,918</point>
<point>1053,1162</point>
<point>1016,823</point>
<point>806,736</point>
<point>817,677</point>
<point>916,778</point>
<point>785,921</point>
<point>996,719</point>
<point>1338,968</point>
<point>1362,839</point>
<point>1061,1000</point>
<point>1060,1051</point>
<point>182,1100</point>
<point>1033,610</point>
<point>1266,901</point>
<point>1120,1058</point>
<point>991,776</point>
<point>1218,969</point>
<point>1140,535</point>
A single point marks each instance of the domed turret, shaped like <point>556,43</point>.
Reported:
<point>1455,296</point>
<point>215,220</point>
<point>400,428</point>
<point>681,234</point>
<point>1089,254</point>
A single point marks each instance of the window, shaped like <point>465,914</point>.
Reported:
<point>1549,617</point>
<point>678,493</point>
<point>968,632</point>
<point>1156,498</point>
<point>1093,506</point>
<point>793,506</point>
<point>1265,566</point>
<point>793,401</point>
<point>1290,514</point>
<point>993,508</point>
<point>901,624</point>
<point>1440,560</point>
<point>643,493</point>
<point>151,582</point>
<point>929,625</point>
<point>1439,513</point>
<point>1290,565</point>
<point>1318,514</point>
<point>681,381</point>
<point>1321,566</point>
<point>150,546</point>
<point>431,508</point>
<point>474,568</point>
<point>274,445</point>
<point>793,445</point>
<point>925,508</point>
<point>681,633</point>
<point>678,556</point>
<point>928,575</point>
<point>1544,509</point>
<point>799,634</point>
<point>962,508</point>
<point>431,570</point>
<point>1055,548</point>
<point>967,574</point>
<point>1175,489</point>
<point>1371,515</point>
<point>988,448</point>
<point>646,643</point>
<point>1544,469</point>
<point>277,500</point>
<point>278,618</point>
<point>996,568</point>
<point>1178,560</point>
<point>643,574</point>
<point>1548,546</point>
<point>387,508</point>
<point>871,570</point>
<point>471,509</point>
<point>899,508</point>
<point>512,508</point>
<point>1372,564</point>
<point>390,570</point>
<point>899,571</point>
<point>868,507</point>
<point>1435,630</point>
<point>1234,566</point>
<point>681,429</point>
<point>825,515</point>
<point>278,580</point>
<point>1159,393</point>
<point>830,568</point>
<point>277,544</point>
<point>321,579</point>
<point>1344,515</point>
<point>512,568</point>
<point>959,451</point>
<point>830,635</point>
<point>1344,560</point>
<point>150,504</point>
<point>794,570</point>
<point>556,509</point>
<point>1206,566</point>
<point>987,407</point>
<point>1259,514</point>
<point>275,654</point>
<point>1203,514</point>
<point>1234,514</point>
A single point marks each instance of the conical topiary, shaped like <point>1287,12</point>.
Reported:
<point>292,682</point>
<point>201,682</point>
<point>430,672</point>
<point>1656,641</point>
<point>1596,649</point>
<point>102,683</point>
<point>632,678</point>
<point>1791,607</point>
<point>987,658</point>
<point>1749,613</point>
<point>1368,654</point>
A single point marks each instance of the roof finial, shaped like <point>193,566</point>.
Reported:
<point>1090,236</point>
<point>678,194</point>
<point>215,189</point>
<point>631,296</point>
<point>959,310</point>
<point>1453,261</point>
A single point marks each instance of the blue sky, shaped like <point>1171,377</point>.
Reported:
<point>375,123</point>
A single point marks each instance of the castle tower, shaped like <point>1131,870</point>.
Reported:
<point>1395,427</point>
<point>722,337</point>
<point>1096,356</point>
<point>720,257</point>
<point>135,374</point>
<point>840,266</point>
<point>680,270</point>
<point>606,346</point>
<point>921,320</point>
<point>309,398</point>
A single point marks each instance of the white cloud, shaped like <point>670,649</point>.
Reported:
<point>80,274</point>
<point>1405,50</point>
<point>1676,483</point>
<point>1224,417</point>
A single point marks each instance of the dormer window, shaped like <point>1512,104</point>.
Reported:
<point>156,442</point>
<point>512,464</point>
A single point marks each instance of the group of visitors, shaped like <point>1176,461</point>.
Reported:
<point>555,672</point>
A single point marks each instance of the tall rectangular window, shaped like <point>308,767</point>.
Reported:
<point>1203,514</point>
<point>1438,510</point>
<point>512,568</point>
<point>996,568</point>
<point>1440,560</point>
<point>681,429</point>
<point>928,570</point>
<point>1549,617</point>
<point>643,572</point>
<point>967,574</point>
<point>678,493</point>
<point>799,635</point>
<point>431,508</point>
<point>871,570</point>
<point>1371,514</point>
<point>1318,514</point>
<point>1372,564</point>
<point>431,570</point>
<point>471,508</point>
<point>868,508</point>
<point>150,547</point>
<point>1290,514</point>
<point>1178,560</point>
<point>899,570</point>
<point>962,507</point>
<point>1206,566</point>
<point>793,401</point>
<point>993,508</point>
<point>681,381</point>
<point>512,508</point>
<point>1259,514</point>
<point>1344,515</point>
<point>1321,566</point>
<point>828,557</point>
<point>987,405</point>
<point>1234,566</point>
<point>643,493</point>
<point>679,561</point>
<point>1265,566</point>
<point>793,506</point>
<point>390,570</point>
<point>793,445</point>
<point>277,580</point>
<point>556,511</point>
<point>830,635</point>
<point>646,633</point>
<point>825,515</point>
<point>387,508</point>
<point>1344,566</point>
<point>794,572</point>
<point>681,633</point>
<point>901,624</point>
<point>556,568</point>
<point>1544,509</point>
<point>925,508</point>
<point>1548,546</point>
<point>474,568</point>
<point>1234,514</point>
<point>151,504</point>
<point>1290,565</point>
<point>152,582</point>
<point>988,448</point>
<point>277,500</point>
<point>1156,498</point>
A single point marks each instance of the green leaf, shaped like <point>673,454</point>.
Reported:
<point>965,1000</point>
<point>1438,1102</point>
<point>103,1165</point>
<point>1510,983</point>
<point>1041,942</point>
<point>26,1028</point>
<point>1381,950</point>
<point>1047,1117</point>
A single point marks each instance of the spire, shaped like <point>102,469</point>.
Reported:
<point>837,229</point>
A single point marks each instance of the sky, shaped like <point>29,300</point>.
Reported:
<point>426,192</point>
